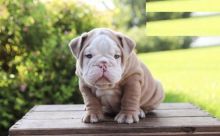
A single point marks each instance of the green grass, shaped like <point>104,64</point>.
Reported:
<point>197,26</point>
<point>191,75</point>
<point>183,6</point>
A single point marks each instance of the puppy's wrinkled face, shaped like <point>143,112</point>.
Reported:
<point>102,66</point>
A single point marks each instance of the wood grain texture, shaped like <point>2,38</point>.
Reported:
<point>140,134</point>
<point>167,119</point>
<point>56,115</point>
<point>80,107</point>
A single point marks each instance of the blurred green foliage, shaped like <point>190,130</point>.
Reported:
<point>156,43</point>
<point>36,66</point>
<point>154,16</point>
<point>129,13</point>
<point>135,21</point>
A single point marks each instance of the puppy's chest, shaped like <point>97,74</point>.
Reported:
<point>110,99</point>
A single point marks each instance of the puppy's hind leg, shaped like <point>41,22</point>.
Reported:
<point>156,99</point>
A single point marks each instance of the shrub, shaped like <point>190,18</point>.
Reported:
<point>36,66</point>
<point>155,16</point>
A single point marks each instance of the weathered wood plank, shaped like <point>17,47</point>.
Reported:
<point>169,119</point>
<point>81,107</point>
<point>141,134</point>
<point>150,131</point>
<point>147,122</point>
<point>78,114</point>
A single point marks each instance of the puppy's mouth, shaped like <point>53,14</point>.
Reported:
<point>103,80</point>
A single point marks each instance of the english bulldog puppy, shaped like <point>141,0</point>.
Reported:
<point>112,79</point>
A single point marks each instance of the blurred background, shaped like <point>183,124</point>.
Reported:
<point>36,66</point>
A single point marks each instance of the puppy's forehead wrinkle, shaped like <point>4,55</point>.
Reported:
<point>103,44</point>
<point>103,39</point>
<point>89,50</point>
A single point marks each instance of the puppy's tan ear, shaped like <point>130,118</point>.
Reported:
<point>127,44</point>
<point>76,44</point>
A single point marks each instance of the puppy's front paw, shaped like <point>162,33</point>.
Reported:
<point>128,117</point>
<point>141,113</point>
<point>93,117</point>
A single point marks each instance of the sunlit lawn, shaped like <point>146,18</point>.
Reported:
<point>191,75</point>
<point>183,6</point>
<point>197,26</point>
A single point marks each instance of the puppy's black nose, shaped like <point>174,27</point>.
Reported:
<point>103,65</point>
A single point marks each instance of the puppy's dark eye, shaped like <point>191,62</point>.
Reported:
<point>89,56</point>
<point>117,56</point>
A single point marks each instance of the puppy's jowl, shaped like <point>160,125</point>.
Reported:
<point>112,79</point>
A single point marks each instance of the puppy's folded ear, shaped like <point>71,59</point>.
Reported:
<point>76,44</point>
<point>126,43</point>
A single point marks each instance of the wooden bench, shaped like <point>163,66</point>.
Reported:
<point>168,119</point>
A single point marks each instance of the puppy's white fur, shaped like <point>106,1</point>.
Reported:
<point>102,48</point>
